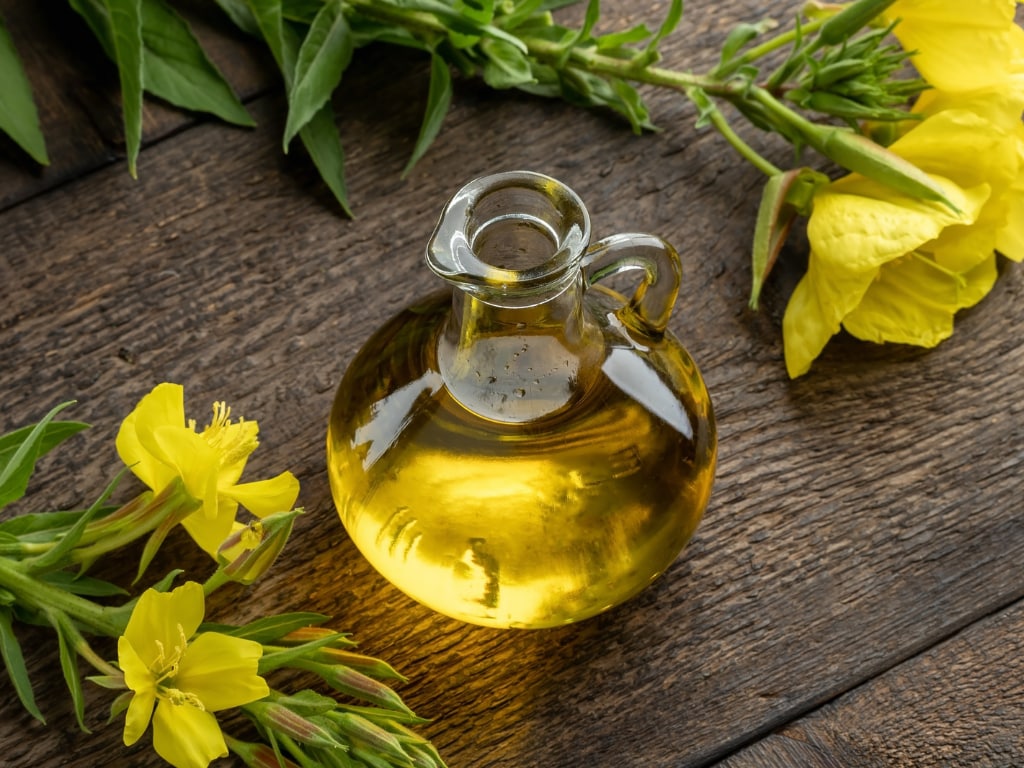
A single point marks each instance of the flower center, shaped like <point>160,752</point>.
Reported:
<point>232,441</point>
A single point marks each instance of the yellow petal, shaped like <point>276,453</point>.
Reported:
<point>857,224</point>
<point>265,497</point>
<point>210,532</point>
<point>164,405</point>
<point>959,46</point>
<point>963,146</point>
<point>221,671</point>
<point>914,301</point>
<point>140,680</point>
<point>159,620</point>
<point>1010,237</point>
<point>185,736</point>
<point>194,461</point>
<point>137,674</point>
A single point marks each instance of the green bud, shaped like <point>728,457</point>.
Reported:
<point>859,154</point>
<point>363,733</point>
<point>851,19</point>
<point>249,552</point>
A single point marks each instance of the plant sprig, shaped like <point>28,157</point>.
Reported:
<point>837,66</point>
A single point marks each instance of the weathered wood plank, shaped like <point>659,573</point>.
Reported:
<point>959,704</point>
<point>860,513</point>
<point>76,91</point>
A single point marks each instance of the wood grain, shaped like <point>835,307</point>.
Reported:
<point>959,704</point>
<point>861,514</point>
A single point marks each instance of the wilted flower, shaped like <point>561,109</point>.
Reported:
<point>185,678</point>
<point>890,268</point>
<point>159,445</point>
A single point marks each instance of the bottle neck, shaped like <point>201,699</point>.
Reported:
<point>519,363</point>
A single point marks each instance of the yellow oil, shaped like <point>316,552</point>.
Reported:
<point>531,524</point>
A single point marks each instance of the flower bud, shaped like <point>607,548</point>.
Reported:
<point>250,550</point>
<point>277,717</point>
<point>363,733</point>
<point>861,155</point>
<point>853,18</point>
<point>259,755</point>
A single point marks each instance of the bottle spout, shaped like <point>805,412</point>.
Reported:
<point>511,235</point>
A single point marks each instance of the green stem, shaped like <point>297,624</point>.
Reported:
<point>174,500</point>
<point>773,44</point>
<point>40,596</point>
<point>81,645</point>
<point>711,112</point>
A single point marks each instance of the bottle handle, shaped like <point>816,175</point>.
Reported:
<point>653,300</point>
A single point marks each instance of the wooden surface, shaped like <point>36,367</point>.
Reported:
<point>852,597</point>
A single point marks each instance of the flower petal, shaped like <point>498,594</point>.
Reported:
<point>913,302</point>
<point>140,680</point>
<point>159,620</point>
<point>265,497</point>
<point>164,405</point>
<point>185,736</point>
<point>210,532</point>
<point>194,461</point>
<point>221,671</point>
<point>959,46</point>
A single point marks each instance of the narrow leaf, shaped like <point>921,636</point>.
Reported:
<point>176,68</point>
<point>18,116</point>
<point>85,586</point>
<point>15,473</point>
<point>69,666</point>
<point>55,433</point>
<point>240,16</point>
<point>439,99</point>
<point>14,661</point>
<point>650,53</point>
<point>126,27</point>
<point>270,628</point>
<point>323,57</point>
<point>267,14</point>
<point>321,139</point>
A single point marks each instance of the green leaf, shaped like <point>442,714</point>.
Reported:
<point>55,433</point>
<point>439,98</point>
<point>18,116</point>
<point>40,526</point>
<point>267,14</point>
<point>176,68</point>
<point>321,139</point>
<point>785,196</point>
<point>270,628</point>
<point>289,656</point>
<point>650,53</point>
<point>10,649</point>
<point>117,24</point>
<point>16,471</point>
<point>506,66</point>
<point>86,586</point>
<point>69,666</point>
<point>322,59</point>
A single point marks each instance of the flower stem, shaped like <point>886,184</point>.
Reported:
<point>40,596</point>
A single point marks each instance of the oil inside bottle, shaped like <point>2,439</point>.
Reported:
<point>567,507</point>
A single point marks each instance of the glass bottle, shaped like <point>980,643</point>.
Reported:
<point>530,447</point>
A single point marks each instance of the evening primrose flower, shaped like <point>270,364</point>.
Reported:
<point>159,445</point>
<point>890,268</point>
<point>961,46</point>
<point>185,679</point>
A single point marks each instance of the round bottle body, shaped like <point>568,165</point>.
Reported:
<point>533,523</point>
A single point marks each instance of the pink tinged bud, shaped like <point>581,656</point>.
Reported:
<point>372,738</point>
<point>283,720</point>
<point>313,634</point>
<point>359,686</point>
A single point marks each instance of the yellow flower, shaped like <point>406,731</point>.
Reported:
<point>186,681</point>
<point>890,268</point>
<point>962,46</point>
<point>159,445</point>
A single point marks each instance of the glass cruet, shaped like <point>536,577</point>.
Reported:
<point>530,447</point>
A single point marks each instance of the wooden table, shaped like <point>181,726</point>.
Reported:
<point>853,596</point>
